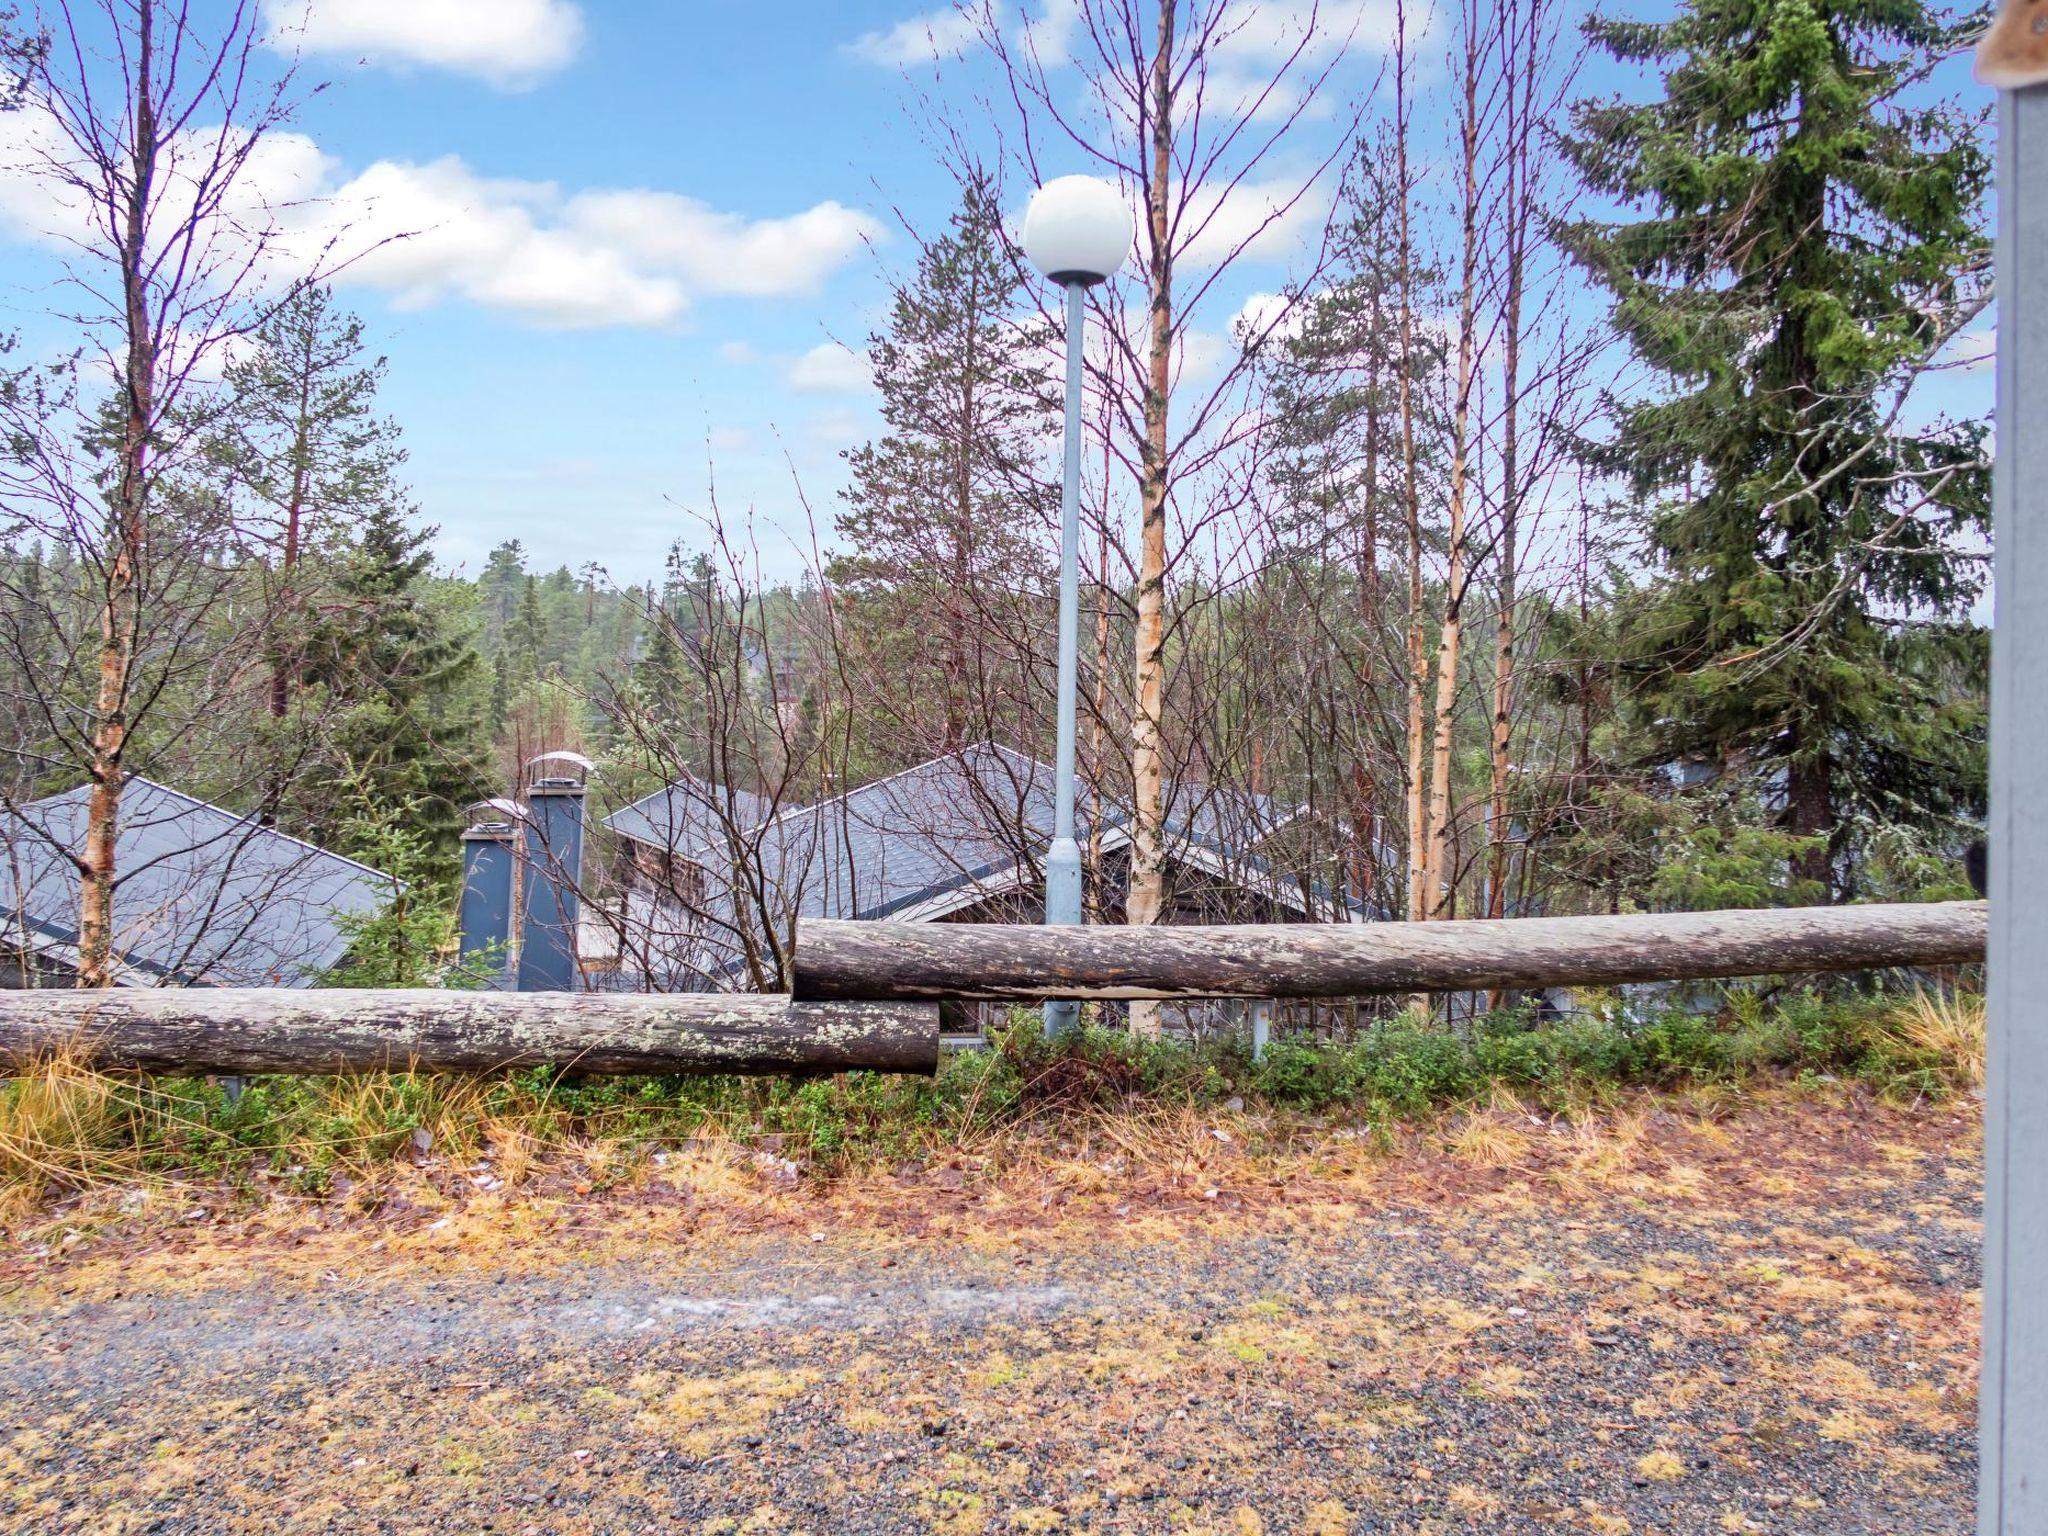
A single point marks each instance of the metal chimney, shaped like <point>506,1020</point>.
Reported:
<point>554,872</point>
<point>489,870</point>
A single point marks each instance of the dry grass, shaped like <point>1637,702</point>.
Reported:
<point>61,1130</point>
<point>67,1127</point>
<point>1948,1028</point>
<point>1088,1132</point>
<point>1496,1136</point>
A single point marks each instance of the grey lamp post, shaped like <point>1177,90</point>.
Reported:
<point>1077,231</point>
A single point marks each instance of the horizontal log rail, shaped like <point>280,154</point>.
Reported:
<point>1028,964</point>
<point>247,1030</point>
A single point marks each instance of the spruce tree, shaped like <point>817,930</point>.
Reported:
<point>1809,224</point>
<point>502,584</point>
<point>396,665</point>
<point>946,515</point>
<point>665,686</point>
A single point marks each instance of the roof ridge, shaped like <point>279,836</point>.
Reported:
<point>790,812</point>
<point>714,795</point>
<point>237,816</point>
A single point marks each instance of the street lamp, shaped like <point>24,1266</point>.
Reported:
<point>1077,231</point>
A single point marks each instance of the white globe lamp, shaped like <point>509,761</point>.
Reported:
<point>1077,230</point>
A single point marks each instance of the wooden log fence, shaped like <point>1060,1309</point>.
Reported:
<point>1033,964</point>
<point>256,1030</point>
<point>866,994</point>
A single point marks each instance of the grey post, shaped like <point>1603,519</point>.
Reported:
<point>1063,859</point>
<point>2012,1498</point>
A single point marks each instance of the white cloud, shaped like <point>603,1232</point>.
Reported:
<point>1049,35</point>
<point>1199,356</point>
<point>739,353</point>
<point>1271,220</point>
<point>429,233</point>
<point>1274,51</point>
<point>1269,319</point>
<point>1260,312</point>
<point>723,252</point>
<point>830,369</point>
<point>1269,32</point>
<point>507,42</point>
<point>937,34</point>
<point>838,428</point>
<point>1257,43</point>
<point>1972,351</point>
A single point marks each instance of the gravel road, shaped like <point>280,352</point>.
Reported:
<point>1762,1325</point>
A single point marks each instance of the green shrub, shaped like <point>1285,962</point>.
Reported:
<point>310,1128</point>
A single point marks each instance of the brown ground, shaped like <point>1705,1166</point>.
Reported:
<point>1759,1318</point>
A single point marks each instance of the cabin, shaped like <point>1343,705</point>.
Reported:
<point>204,896</point>
<point>710,881</point>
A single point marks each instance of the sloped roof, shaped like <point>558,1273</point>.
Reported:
<point>202,895</point>
<point>689,816</point>
<point>906,837</point>
<point>956,821</point>
<point>916,845</point>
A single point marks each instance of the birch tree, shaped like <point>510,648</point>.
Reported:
<point>1187,104</point>
<point>142,128</point>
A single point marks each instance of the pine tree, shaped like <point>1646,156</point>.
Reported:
<point>1334,371</point>
<point>945,514</point>
<point>1810,226</point>
<point>1334,367</point>
<point>302,438</point>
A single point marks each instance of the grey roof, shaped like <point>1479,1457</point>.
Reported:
<point>938,836</point>
<point>202,895</point>
<point>690,816</point>
<point>914,834</point>
<point>956,821</point>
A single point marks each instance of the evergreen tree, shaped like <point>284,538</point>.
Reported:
<point>501,690</point>
<point>945,514</point>
<point>396,665</point>
<point>1809,226</point>
<point>502,584</point>
<point>662,680</point>
<point>1334,370</point>
<point>529,634</point>
<point>302,438</point>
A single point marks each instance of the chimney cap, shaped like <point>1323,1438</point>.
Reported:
<point>583,768</point>
<point>494,818</point>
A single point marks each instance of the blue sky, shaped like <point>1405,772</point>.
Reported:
<point>595,441</point>
<point>639,229</point>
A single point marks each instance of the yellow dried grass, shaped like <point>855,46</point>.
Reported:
<point>63,1126</point>
<point>1946,1026</point>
